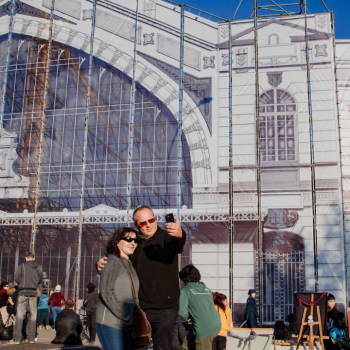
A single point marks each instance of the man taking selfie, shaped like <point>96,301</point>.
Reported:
<point>158,271</point>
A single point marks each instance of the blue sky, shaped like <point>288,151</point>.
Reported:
<point>227,8</point>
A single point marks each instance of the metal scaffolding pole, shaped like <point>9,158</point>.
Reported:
<point>131,122</point>
<point>86,129</point>
<point>312,154</point>
<point>8,52</point>
<point>231,222</point>
<point>258,153</point>
<point>340,156</point>
<point>42,130</point>
<point>181,91</point>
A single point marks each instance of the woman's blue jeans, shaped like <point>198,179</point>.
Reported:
<point>55,311</point>
<point>112,338</point>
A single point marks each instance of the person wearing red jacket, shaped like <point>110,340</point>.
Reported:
<point>4,287</point>
<point>57,301</point>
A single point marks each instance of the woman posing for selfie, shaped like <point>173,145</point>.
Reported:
<point>115,307</point>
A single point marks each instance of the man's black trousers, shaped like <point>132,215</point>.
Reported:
<point>163,323</point>
<point>90,324</point>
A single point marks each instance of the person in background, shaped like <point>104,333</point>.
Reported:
<point>6,307</point>
<point>4,286</point>
<point>11,290</point>
<point>89,305</point>
<point>340,323</point>
<point>180,333</point>
<point>197,300</point>
<point>250,310</point>
<point>68,326</point>
<point>280,331</point>
<point>44,307</point>
<point>115,306</point>
<point>331,310</point>
<point>29,275</point>
<point>290,328</point>
<point>57,301</point>
<point>221,306</point>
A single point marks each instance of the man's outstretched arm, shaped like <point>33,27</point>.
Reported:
<point>101,264</point>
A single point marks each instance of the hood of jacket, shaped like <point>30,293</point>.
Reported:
<point>197,286</point>
<point>32,264</point>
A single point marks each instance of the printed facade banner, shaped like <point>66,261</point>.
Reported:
<point>286,192</point>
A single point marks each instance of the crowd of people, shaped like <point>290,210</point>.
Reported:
<point>20,305</point>
<point>140,271</point>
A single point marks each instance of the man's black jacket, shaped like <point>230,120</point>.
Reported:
<point>158,270</point>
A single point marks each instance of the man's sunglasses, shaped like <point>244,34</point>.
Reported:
<point>130,239</point>
<point>144,223</point>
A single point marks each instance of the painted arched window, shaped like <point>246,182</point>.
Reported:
<point>277,126</point>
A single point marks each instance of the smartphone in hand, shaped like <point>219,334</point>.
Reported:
<point>169,218</point>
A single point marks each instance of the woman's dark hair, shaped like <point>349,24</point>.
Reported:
<point>3,284</point>
<point>190,274</point>
<point>219,299</point>
<point>113,241</point>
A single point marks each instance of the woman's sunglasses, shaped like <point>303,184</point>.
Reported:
<point>130,239</point>
<point>144,223</point>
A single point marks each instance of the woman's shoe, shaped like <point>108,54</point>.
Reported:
<point>40,327</point>
<point>47,328</point>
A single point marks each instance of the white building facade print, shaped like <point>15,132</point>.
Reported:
<point>284,136</point>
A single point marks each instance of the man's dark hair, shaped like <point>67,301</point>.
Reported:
<point>141,207</point>
<point>30,255</point>
<point>3,284</point>
<point>279,325</point>
<point>190,274</point>
<point>290,318</point>
<point>330,296</point>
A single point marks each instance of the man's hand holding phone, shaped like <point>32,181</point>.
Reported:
<point>173,228</point>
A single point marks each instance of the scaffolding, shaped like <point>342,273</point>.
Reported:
<point>42,130</point>
<point>86,131</point>
<point>4,85</point>
<point>260,13</point>
<point>131,123</point>
<point>340,154</point>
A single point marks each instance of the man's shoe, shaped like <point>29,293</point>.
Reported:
<point>31,342</point>
<point>26,340</point>
<point>35,339</point>
<point>13,342</point>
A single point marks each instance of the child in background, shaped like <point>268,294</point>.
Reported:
<point>280,331</point>
<point>331,310</point>
<point>221,306</point>
<point>44,307</point>
<point>340,323</point>
<point>180,333</point>
<point>196,299</point>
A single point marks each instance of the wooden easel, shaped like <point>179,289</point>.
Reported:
<point>311,337</point>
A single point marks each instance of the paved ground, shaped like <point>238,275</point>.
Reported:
<point>44,342</point>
